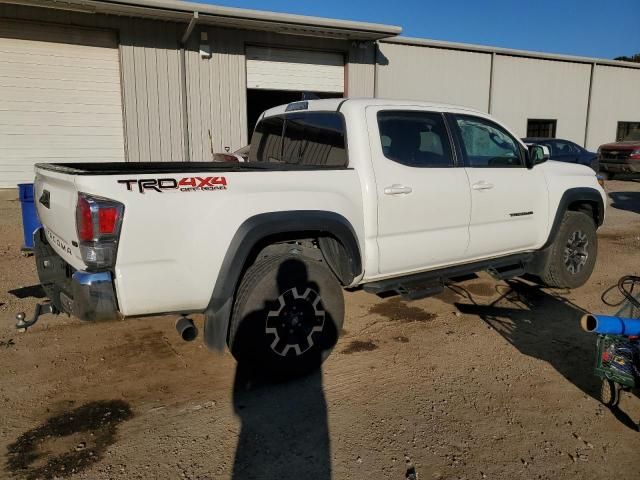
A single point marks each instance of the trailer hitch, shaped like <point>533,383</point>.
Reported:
<point>41,309</point>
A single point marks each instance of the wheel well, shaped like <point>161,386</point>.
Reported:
<point>587,207</point>
<point>319,246</point>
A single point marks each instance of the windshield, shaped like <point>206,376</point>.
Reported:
<point>634,136</point>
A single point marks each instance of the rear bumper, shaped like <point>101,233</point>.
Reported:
<point>85,295</point>
<point>94,297</point>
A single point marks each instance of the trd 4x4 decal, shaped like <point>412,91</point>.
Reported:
<point>186,184</point>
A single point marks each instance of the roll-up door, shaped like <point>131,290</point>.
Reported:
<point>60,98</point>
<point>298,70</point>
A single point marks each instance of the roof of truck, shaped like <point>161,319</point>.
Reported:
<point>335,104</point>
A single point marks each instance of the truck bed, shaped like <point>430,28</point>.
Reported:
<point>120,168</point>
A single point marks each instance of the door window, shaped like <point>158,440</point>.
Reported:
<point>486,144</point>
<point>415,139</point>
<point>561,148</point>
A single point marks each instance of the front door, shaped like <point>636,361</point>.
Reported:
<point>509,210</point>
<point>423,195</point>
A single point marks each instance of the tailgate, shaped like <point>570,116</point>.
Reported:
<point>55,197</point>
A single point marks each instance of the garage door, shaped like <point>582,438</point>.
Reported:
<point>60,98</point>
<point>300,70</point>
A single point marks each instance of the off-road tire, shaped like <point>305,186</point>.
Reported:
<point>564,267</point>
<point>287,315</point>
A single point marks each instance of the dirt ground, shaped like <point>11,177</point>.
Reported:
<point>488,380</point>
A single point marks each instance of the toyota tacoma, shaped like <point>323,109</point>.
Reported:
<point>388,196</point>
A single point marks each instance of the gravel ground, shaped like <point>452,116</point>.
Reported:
<point>487,380</point>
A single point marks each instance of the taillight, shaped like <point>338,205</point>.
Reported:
<point>98,221</point>
<point>635,155</point>
<point>84,220</point>
<point>107,220</point>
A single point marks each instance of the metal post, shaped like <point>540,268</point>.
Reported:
<point>586,123</point>
<point>490,106</point>
<point>183,75</point>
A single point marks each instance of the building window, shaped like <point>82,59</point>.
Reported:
<point>625,128</point>
<point>541,128</point>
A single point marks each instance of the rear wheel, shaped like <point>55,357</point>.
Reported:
<point>287,316</point>
<point>572,257</point>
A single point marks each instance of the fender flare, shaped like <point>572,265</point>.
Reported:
<point>249,234</point>
<point>572,195</point>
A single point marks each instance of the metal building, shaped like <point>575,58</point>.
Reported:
<point>165,80</point>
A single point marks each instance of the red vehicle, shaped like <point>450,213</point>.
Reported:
<point>622,156</point>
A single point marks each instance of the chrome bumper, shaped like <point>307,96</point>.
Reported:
<point>88,296</point>
<point>93,296</point>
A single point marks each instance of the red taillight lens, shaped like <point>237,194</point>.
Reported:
<point>107,220</point>
<point>98,221</point>
<point>84,220</point>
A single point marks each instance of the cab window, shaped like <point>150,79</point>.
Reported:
<point>301,138</point>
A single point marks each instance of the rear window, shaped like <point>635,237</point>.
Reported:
<point>301,138</point>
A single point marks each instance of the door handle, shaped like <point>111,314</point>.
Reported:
<point>396,189</point>
<point>482,186</point>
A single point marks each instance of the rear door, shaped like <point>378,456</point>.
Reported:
<point>509,202</point>
<point>423,194</point>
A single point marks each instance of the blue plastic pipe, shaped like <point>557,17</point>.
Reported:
<point>605,325</point>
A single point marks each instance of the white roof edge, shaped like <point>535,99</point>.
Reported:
<point>181,11</point>
<point>423,42</point>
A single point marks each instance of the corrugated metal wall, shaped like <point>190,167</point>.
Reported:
<point>216,87</point>
<point>615,97</point>
<point>434,74</point>
<point>360,70</point>
<point>152,90</point>
<point>526,88</point>
<point>216,93</point>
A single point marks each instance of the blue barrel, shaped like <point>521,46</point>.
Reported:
<point>30,221</point>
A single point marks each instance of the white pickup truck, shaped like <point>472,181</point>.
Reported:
<point>389,195</point>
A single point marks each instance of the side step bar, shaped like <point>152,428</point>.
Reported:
<point>425,284</point>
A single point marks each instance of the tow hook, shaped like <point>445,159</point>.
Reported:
<point>41,309</point>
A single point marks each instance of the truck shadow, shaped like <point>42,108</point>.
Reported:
<point>284,431</point>
<point>545,326</point>
<point>629,201</point>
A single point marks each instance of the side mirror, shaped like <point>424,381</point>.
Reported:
<point>537,154</point>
